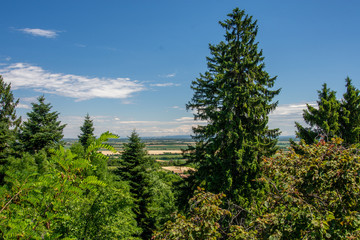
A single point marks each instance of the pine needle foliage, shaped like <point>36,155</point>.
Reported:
<point>350,114</point>
<point>9,123</point>
<point>42,128</point>
<point>332,117</point>
<point>87,132</point>
<point>135,168</point>
<point>323,120</point>
<point>234,97</point>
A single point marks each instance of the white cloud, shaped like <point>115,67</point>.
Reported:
<point>171,75</point>
<point>177,107</point>
<point>185,119</point>
<point>124,127</point>
<point>165,85</point>
<point>285,116</point>
<point>40,32</point>
<point>22,75</point>
<point>29,99</point>
<point>24,106</point>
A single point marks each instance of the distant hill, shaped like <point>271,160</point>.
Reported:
<point>287,138</point>
<point>181,137</point>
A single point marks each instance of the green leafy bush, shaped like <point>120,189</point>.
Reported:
<point>315,195</point>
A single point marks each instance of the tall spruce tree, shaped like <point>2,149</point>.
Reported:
<point>323,120</point>
<point>134,168</point>
<point>9,123</point>
<point>234,97</point>
<point>87,132</point>
<point>42,128</point>
<point>350,114</point>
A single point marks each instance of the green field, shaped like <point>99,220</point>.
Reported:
<point>159,144</point>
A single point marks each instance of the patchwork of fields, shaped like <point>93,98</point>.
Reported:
<point>167,152</point>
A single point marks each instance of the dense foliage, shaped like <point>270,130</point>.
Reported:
<point>313,195</point>
<point>9,123</point>
<point>42,128</point>
<point>151,188</point>
<point>63,201</point>
<point>234,97</point>
<point>201,222</point>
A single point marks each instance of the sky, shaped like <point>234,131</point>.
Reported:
<point>130,63</point>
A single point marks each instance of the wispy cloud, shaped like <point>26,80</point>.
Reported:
<point>40,32</point>
<point>123,127</point>
<point>29,99</point>
<point>4,58</point>
<point>165,85</point>
<point>25,102</point>
<point>170,75</point>
<point>24,106</point>
<point>285,116</point>
<point>23,75</point>
<point>177,108</point>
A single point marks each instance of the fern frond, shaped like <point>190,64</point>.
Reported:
<point>98,143</point>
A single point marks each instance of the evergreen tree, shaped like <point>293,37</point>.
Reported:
<point>87,132</point>
<point>42,129</point>
<point>350,114</point>
<point>135,168</point>
<point>234,96</point>
<point>8,123</point>
<point>323,120</point>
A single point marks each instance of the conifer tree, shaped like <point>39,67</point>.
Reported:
<point>42,128</point>
<point>323,120</point>
<point>350,114</point>
<point>87,132</point>
<point>9,122</point>
<point>135,166</point>
<point>234,96</point>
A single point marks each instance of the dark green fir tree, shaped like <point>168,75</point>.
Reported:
<point>234,97</point>
<point>323,121</point>
<point>135,167</point>
<point>42,128</point>
<point>350,114</point>
<point>9,123</point>
<point>87,132</point>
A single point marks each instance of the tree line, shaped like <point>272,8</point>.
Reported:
<point>243,187</point>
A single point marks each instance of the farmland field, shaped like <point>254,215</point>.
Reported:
<point>167,152</point>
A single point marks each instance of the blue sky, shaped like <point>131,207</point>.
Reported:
<point>129,64</point>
